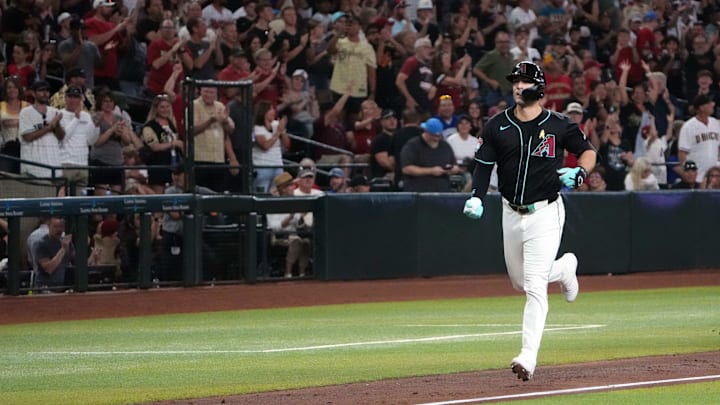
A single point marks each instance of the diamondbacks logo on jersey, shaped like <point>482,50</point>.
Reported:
<point>546,148</point>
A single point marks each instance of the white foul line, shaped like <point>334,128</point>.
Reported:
<point>306,348</point>
<point>575,390</point>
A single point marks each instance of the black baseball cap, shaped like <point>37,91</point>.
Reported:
<point>689,165</point>
<point>387,113</point>
<point>75,72</point>
<point>359,180</point>
<point>40,85</point>
<point>74,91</point>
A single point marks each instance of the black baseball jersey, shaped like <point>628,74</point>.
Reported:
<point>528,154</point>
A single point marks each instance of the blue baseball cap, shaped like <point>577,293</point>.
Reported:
<point>433,126</point>
<point>336,16</point>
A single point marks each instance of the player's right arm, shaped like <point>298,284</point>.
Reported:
<point>485,157</point>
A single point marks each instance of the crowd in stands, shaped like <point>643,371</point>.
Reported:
<point>359,80</point>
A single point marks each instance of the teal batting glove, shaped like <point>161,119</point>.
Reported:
<point>473,208</point>
<point>572,177</point>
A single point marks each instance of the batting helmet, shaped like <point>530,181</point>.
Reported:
<point>533,73</point>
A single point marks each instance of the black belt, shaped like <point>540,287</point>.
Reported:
<point>530,208</point>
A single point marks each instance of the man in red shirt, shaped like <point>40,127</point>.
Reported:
<point>558,87</point>
<point>238,69</point>
<point>164,51</point>
<point>107,36</point>
<point>626,53</point>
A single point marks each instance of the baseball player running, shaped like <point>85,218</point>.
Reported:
<point>527,141</point>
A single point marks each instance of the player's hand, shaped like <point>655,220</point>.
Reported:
<point>572,177</point>
<point>473,208</point>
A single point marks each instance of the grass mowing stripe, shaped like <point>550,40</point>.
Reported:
<point>331,346</point>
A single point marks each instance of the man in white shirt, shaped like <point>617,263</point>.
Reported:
<point>40,132</point>
<point>216,14</point>
<point>523,16</point>
<point>699,138</point>
<point>80,134</point>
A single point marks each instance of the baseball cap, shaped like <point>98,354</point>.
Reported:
<point>238,52</point>
<point>77,23</point>
<point>689,165</point>
<point>337,172</point>
<point>40,85</point>
<point>103,3</point>
<point>380,22</point>
<point>425,5</point>
<point>300,72</point>
<point>701,100</point>
<point>464,117</point>
<point>62,17</point>
<point>359,180</point>
<point>336,16</point>
<point>109,227</point>
<point>387,113</point>
<point>574,108</point>
<point>306,172</point>
<point>650,16</point>
<point>423,41</point>
<point>283,179</point>
<point>74,91</point>
<point>433,126</point>
<point>636,18</point>
<point>75,72</point>
<point>591,64</point>
<point>559,40</point>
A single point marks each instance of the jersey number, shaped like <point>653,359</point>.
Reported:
<point>546,148</point>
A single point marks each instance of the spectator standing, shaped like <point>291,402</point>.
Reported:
<point>54,253</point>
<point>491,70</point>
<point>559,85</point>
<point>212,129</point>
<point>319,66</point>
<point>40,133</point>
<point>688,177</point>
<point>15,18</point>
<point>614,156</point>
<point>415,79</point>
<point>424,24</point>
<point>108,37</point>
<point>292,42</point>
<point>77,51</point>
<point>625,52</point>
<point>300,104</point>
<point>409,130</point>
<point>382,163</point>
<point>236,70</point>
<point>553,20</point>
<point>163,52</point>
<point>354,66</point>
<point>114,133</point>
<point>399,18</point>
<point>268,80</point>
<point>10,123</point>
<point>80,134</point>
<point>366,129</point>
<point>523,50</point>
<point>329,130</point>
<point>216,14</point>
<point>474,111</point>
<point>160,135</point>
<point>428,160</point>
<point>203,67</point>
<point>75,77</point>
<point>194,10</point>
<point>699,139</point>
<point>34,238</point>
<point>271,139</point>
<point>149,25</point>
<point>523,17</point>
<point>20,65</point>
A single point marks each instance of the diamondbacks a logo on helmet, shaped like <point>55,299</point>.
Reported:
<point>546,148</point>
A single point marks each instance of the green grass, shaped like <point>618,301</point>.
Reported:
<point>697,393</point>
<point>184,356</point>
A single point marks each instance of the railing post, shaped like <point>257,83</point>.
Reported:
<point>81,254</point>
<point>251,248</point>
<point>14,256</point>
<point>145,259</point>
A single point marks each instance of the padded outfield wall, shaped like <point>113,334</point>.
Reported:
<point>365,236</point>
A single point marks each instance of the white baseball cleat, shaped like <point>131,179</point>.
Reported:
<point>523,373</point>
<point>569,283</point>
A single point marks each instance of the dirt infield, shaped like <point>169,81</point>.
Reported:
<point>57,307</point>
